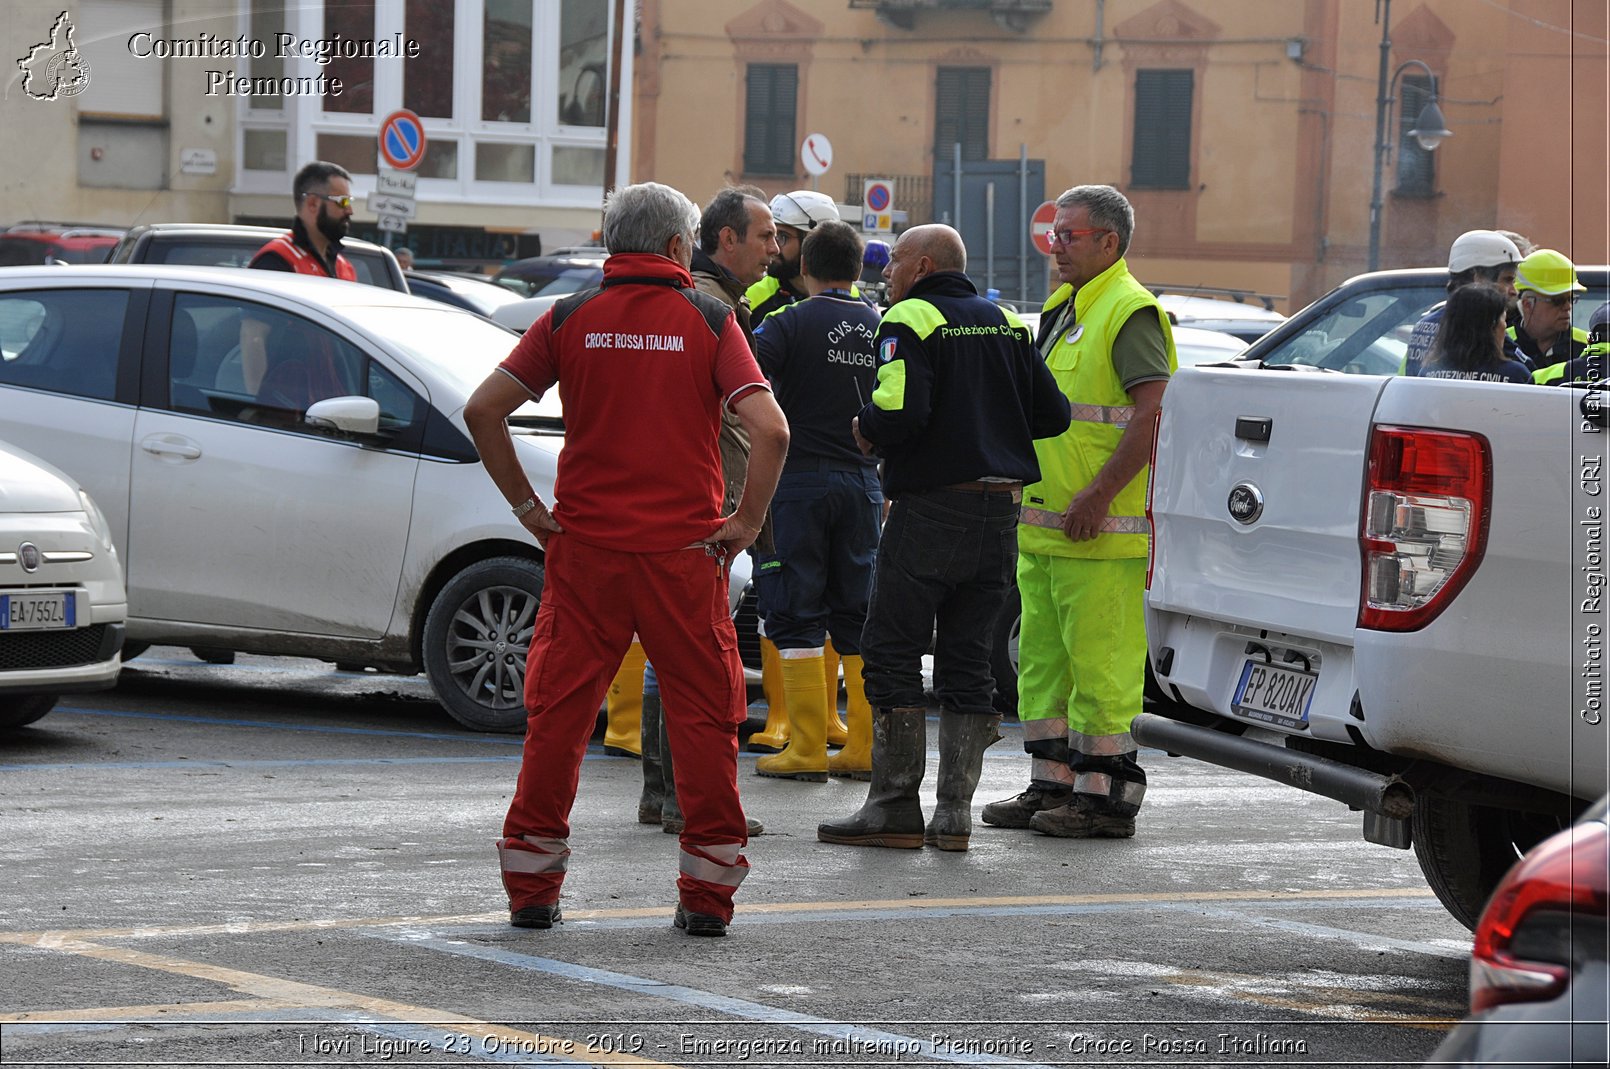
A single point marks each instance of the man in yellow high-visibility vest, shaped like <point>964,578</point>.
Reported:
<point>1082,536</point>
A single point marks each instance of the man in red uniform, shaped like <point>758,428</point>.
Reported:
<point>635,542</point>
<point>323,195</point>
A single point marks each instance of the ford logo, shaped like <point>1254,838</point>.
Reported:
<point>1246,503</point>
<point>28,557</point>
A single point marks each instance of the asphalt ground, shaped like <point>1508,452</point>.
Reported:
<point>274,863</point>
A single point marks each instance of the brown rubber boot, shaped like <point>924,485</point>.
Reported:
<point>652,800</point>
<point>963,738</point>
<point>892,815</point>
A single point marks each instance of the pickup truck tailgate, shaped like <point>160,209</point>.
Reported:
<point>1295,564</point>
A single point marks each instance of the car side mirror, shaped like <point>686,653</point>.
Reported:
<point>352,415</point>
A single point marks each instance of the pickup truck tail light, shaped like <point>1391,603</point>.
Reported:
<point>1424,523</point>
<point>1555,896</point>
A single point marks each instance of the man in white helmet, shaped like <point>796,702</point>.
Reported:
<point>796,214</point>
<point>1483,257</point>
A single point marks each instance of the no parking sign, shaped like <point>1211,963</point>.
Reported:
<point>402,140</point>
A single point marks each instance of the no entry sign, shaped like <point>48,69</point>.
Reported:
<point>1040,226</point>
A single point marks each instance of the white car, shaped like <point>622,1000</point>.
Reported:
<point>330,505</point>
<point>62,606</point>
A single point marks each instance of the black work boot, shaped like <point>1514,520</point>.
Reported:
<point>892,815</point>
<point>651,801</point>
<point>1017,812</point>
<point>963,738</point>
<point>670,818</point>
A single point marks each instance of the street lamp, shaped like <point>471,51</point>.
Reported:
<point>1430,129</point>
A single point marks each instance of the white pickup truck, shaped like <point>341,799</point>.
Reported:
<point>1388,591</point>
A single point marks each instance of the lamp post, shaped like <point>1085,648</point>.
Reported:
<point>1430,129</point>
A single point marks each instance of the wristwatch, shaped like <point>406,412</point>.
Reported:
<point>524,507</point>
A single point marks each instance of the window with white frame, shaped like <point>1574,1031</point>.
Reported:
<point>513,94</point>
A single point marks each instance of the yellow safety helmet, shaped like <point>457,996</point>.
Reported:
<point>1547,272</point>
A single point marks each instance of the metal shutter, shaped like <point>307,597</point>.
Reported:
<point>120,83</point>
<point>1162,157</point>
<point>961,113</point>
<point>769,105</point>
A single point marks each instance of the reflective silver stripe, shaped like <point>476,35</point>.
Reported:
<point>1043,770</point>
<point>1117,415</point>
<point>729,874</point>
<point>1099,783</point>
<point>1110,525</point>
<point>547,846</point>
<point>1055,727</point>
<point>1102,745</point>
<point>1102,785</point>
<point>514,859</point>
<point>67,556</point>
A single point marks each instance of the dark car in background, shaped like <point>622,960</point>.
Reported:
<point>1540,969</point>
<point>42,243</point>
<point>233,245</point>
<point>563,271</point>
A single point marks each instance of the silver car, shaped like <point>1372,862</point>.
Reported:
<point>312,494</point>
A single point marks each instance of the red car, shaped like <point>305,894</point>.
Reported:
<point>41,243</point>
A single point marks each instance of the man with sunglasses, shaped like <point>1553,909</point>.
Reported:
<point>1548,286</point>
<point>1082,533</point>
<point>323,195</point>
<point>297,378</point>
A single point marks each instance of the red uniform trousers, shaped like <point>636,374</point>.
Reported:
<point>592,601</point>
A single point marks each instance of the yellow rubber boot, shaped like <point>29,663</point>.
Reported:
<point>623,735</point>
<point>855,760</point>
<point>774,736</point>
<point>805,756</point>
<point>837,734</point>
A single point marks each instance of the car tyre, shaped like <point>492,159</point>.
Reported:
<point>17,710</point>
<point>1464,850</point>
<point>132,650</point>
<point>477,636</point>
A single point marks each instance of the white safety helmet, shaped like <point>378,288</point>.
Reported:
<point>1481,248</point>
<point>803,209</point>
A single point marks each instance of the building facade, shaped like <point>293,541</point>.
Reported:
<point>1242,130</point>
<point>195,110</point>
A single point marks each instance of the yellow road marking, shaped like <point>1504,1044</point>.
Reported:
<point>279,992</point>
<point>50,937</point>
<point>124,1013</point>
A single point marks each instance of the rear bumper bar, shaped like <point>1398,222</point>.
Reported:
<point>1370,791</point>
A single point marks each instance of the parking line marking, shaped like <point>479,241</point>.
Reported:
<point>318,997</point>
<point>51,937</point>
<point>1363,940</point>
<point>252,764</point>
<point>322,729</point>
<point>100,1014</point>
<point>704,1000</point>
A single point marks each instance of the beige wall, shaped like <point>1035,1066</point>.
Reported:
<point>1283,155</point>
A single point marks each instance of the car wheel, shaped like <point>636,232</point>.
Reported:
<point>1003,653</point>
<point>132,650</point>
<point>477,636</point>
<point>1464,850</point>
<point>213,654</point>
<point>19,709</point>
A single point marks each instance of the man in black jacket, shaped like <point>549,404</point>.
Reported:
<point>962,394</point>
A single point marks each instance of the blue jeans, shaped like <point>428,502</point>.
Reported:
<point>945,566</point>
<point>825,526</point>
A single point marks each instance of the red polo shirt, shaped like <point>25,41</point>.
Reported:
<point>642,378</point>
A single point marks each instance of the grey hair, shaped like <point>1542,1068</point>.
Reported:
<point>1108,209</point>
<point>645,217</point>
